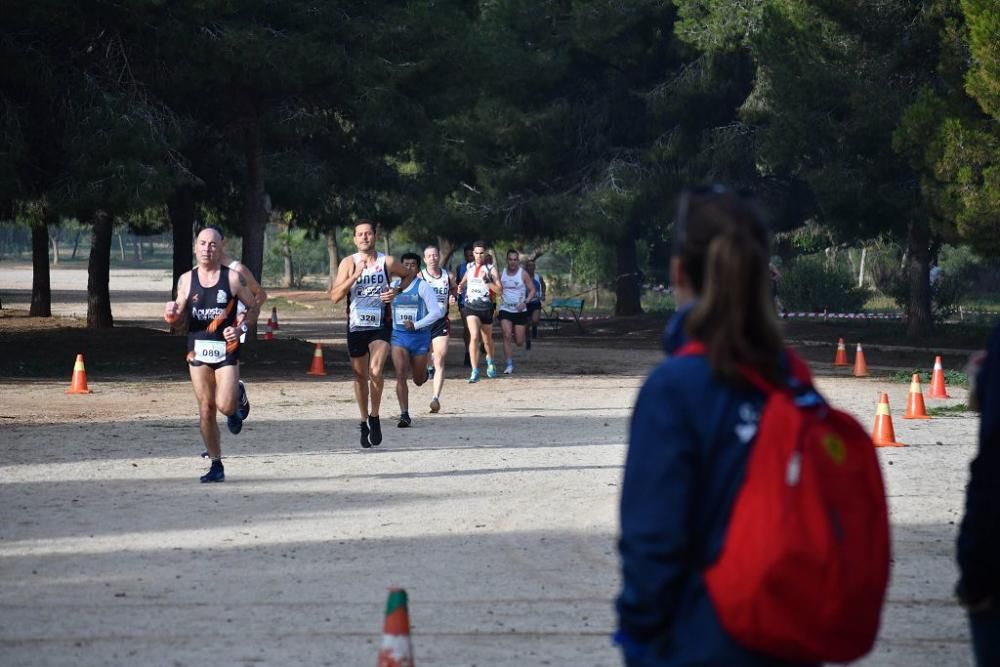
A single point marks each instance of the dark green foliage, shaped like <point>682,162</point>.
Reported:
<point>807,284</point>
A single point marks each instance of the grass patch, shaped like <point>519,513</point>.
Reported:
<point>948,410</point>
<point>952,378</point>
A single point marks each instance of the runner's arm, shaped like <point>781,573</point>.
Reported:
<point>347,275</point>
<point>239,286</point>
<point>256,289</point>
<point>175,312</point>
<point>452,289</point>
<point>495,285</point>
<point>529,284</point>
<point>434,310</point>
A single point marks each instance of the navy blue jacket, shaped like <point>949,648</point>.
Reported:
<point>688,447</point>
<point>979,538</point>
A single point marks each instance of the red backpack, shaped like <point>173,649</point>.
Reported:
<point>803,570</point>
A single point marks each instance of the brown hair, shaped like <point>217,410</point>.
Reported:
<point>365,221</point>
<point>723,245</point>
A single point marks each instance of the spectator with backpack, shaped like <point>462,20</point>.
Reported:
<point>979,538</point>
<point>754,526</point>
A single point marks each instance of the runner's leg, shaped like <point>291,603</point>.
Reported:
<point>419,364</point>
<point>519,334</point>
<point>227,389</point>
<point>507,328</point>
<point>440,346</point>
<point>203,380</point>
<point>486,331</point>
<point>473,325</point>
<point>401,362</point>
<point>378,352</point>
<point>359,365</point>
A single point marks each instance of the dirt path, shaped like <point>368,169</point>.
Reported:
<point>499,515</point>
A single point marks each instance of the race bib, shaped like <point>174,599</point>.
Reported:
<point>368,317</point>
<point>478,289</point>
<point>404,314</point>
<point>510,305</point>
<point>209,351</point>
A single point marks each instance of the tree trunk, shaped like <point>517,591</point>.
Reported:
<point>137,250</point>
<point>861,271</point>
<point>254,206</point>
<point>446,248</point>
<point>288,271</point>
<point>333,254</point>
<point>180,208</point>
<point>54,238</point>
<point>627,294</point>
<point>99,273</point>
<point>121,246</point>
<point>919,310</point>
<point>41,292</point>
<point>385,240</point>
<point>76,243</point>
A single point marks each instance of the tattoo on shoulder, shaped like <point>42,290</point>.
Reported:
<point>243,281</point>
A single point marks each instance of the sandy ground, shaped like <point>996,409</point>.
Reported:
<point>498,515</point>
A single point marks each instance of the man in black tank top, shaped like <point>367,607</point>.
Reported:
<point>207,302</point>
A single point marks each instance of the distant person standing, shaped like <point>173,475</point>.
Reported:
<point>979,537</point>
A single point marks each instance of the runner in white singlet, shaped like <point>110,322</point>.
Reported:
<point>518,290</point>
<point>480,282</point>
<point>363,278</point>
<point>443,284</point>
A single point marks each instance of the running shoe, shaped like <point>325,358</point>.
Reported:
<point>430,372</point>
<point>215,474</point>
<point>404,420</point>
<point>435,404</point>
<point>244,410</point>
<point>374,431</point>
<point>235,424</point>
<point>474,377</point>
<point>365,442</point>
<point>510,368</point>
<point>527,342</point>
<point>491,369</point>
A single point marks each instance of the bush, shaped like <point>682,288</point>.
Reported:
<point>808,284</point>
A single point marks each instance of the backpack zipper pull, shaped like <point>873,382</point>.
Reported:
<point>793,469</point>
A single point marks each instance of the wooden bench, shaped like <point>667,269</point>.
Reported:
<point>564,310</point>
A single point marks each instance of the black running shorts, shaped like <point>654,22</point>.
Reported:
<point>485,315</point>
<point>518,319</point>
<point>441,328</point>
<point>358,341</point>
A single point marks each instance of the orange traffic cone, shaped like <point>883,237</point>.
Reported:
<point>883,435</point>
<point>274,317</point>
<point>78,385</point>
<point>396,650</point>
<point>269,332</point>
<point>860,367</point>
<point>841,357</point>
<point>317,364</point>
<point>938,389</point>
<point>915,403</point>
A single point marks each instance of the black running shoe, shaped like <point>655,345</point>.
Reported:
<point>244,410</point>
<point>374,431</point>
<point>215,474</point>
<point>404,420</point>
<point>365,442</point>
<point>235,424</point>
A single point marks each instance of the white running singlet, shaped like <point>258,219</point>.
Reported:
<point>441,285</point>
<point>477,289</point>
<point>514,291</point>
<point>365,308</point>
